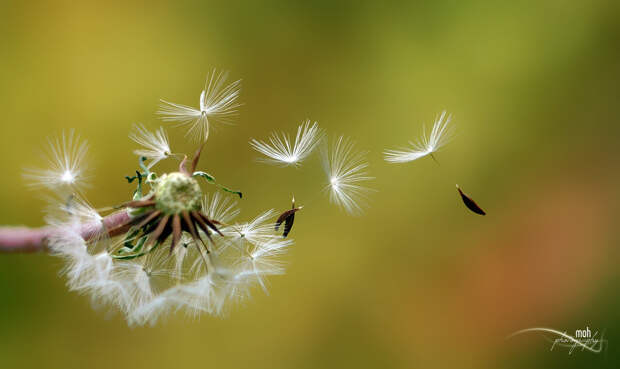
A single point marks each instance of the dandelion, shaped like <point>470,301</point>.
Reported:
<point>346,171</point>
<point>279,150</point>
<point>218,103</point>
<point>161,255</point>
<point>171,247</point>
<point>156,147</point>
<point>65,158</point>
<point>440,135</point>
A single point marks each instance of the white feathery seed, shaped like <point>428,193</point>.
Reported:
<point>221,208</point>
<point>347,173</point>
<point>155,144</point>
<point>151,286</point>
<point>280,150</point>
<point>263,260</point>
<point>255,231</point>
<point>440,135</point>
<point>65,171</point>
<point>70,209</point>
<point>218,103</point>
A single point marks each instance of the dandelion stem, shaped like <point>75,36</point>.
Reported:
<point>27,240</point>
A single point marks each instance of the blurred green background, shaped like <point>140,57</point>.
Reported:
<point>416,282</point>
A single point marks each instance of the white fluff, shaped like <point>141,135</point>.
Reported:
<point>222,208</point>
<point>65,158</point>
<point>218,102</point>
<point>155,144</point>
<point>347,173</point>
<point>148,288</point>
<point>440,135</point>
<point>281,150</point>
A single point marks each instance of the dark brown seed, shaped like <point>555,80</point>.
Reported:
<point>288,217</point>
<point>288,225</point>
<point>470,203</point>
<point>284,216</point>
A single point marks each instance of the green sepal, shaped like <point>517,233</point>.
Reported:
<point>128,241</point>
<point>238,193</point>
<point>211,180</point>
<point>139,175</point>
<point>143,166</point>
<point>208,177</point>
<point>138,247</point>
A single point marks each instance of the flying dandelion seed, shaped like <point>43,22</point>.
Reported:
<point>288,218</point>
<point>281,150</point>
<point>156,146</point>
<point>440,135</point>
<point>218,103</point>
<point>470,203</point>
<point>66,171</point>
<point>347,174</point>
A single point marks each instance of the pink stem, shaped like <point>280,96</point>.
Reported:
<point>24,239</point>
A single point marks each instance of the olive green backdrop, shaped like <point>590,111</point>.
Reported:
<point>418,281</point>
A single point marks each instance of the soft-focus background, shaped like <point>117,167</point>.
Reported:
<point>418,281</point>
